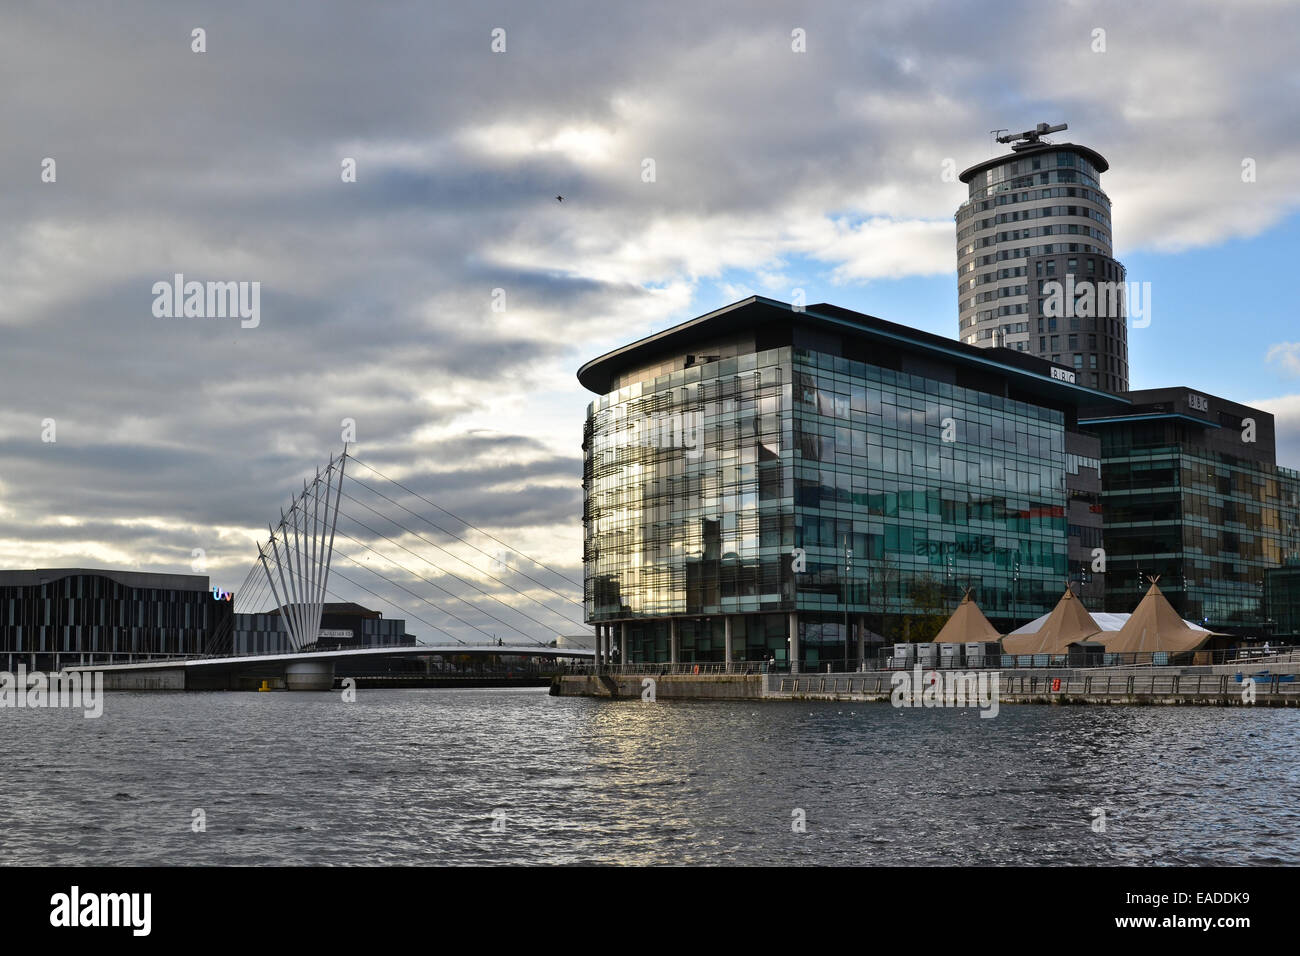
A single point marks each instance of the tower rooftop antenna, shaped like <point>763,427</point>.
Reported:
<point>1031,137</point>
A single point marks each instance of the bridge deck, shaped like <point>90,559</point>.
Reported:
<point>407,650</point>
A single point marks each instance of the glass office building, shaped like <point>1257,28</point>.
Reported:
<point>1192,492</point>
<point>1282,597</point>
<point>766,482</point>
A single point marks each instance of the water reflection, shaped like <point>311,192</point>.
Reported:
<point>415,777</point>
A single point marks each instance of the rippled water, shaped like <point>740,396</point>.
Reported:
<point>414,776</point>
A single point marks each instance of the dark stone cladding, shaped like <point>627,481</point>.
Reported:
<point>1221,420</point>
<point>1110,329</point>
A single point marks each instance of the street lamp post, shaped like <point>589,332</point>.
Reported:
<point>844,597</point>
<point>1015,590</point>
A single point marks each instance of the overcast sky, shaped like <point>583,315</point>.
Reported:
<point>773,170</point>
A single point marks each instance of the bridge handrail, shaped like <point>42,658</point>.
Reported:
<point>141,657</point>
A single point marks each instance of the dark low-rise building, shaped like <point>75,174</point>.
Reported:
<point>343,625</point>
<point>1192,492</point>
<point>53,617</point>
<point>1085,528</point>
<point>1282,600</point>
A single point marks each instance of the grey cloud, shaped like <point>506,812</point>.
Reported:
<point>375,303</point>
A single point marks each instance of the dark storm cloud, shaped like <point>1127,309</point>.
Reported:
<point>377,296</point>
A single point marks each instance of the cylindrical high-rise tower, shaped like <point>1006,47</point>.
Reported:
<point>1035,270</point>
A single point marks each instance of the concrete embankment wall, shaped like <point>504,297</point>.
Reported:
<point>666,686</point>
<point>1163,686</point>
<point>1193,685</point>
<point>171,678</point>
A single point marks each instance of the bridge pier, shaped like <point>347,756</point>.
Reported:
<point>309,675</point>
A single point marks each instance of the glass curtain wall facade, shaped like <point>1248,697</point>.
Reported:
<point>1211,524</point>
<point>923,517</point>
<point>1282,593</point>
<point>900,491</point>
<point>688,507</point>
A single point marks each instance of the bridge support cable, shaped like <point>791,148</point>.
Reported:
<point>450,594</point>
<point>451,574</point>
<point>403,610</point>
<point>485,534</point>
<point>250,592</point>
<point>389,581</point>
<point>475,568</point>
<point>294,563</point>
<point>393,583</point>
<point>406,612</point>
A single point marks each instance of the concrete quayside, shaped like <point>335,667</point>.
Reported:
<point>1268,683</point>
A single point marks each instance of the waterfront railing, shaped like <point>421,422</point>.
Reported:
<point>887,661</point>
<point>1270,688</point>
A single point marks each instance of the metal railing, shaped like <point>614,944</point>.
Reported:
<point>1101,659</point>
<point>717,667</point>
<point>884,660</point>
<point>1283,687</point>
<point>75,658</point>
<point>437,650</point>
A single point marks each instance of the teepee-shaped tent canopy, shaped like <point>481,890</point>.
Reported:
<point>1154,626</point>
<point>1068,624</point>
<point>967,623</point>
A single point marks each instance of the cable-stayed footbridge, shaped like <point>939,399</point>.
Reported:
<point>357,535</point>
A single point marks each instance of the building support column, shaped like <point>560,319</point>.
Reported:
<point>622,650</point>
<point>862,643</point>
<point>726,640</point>
<point>673,657</point>
<point>794,642</point>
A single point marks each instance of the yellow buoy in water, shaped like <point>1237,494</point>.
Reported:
<point>266,685</point>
